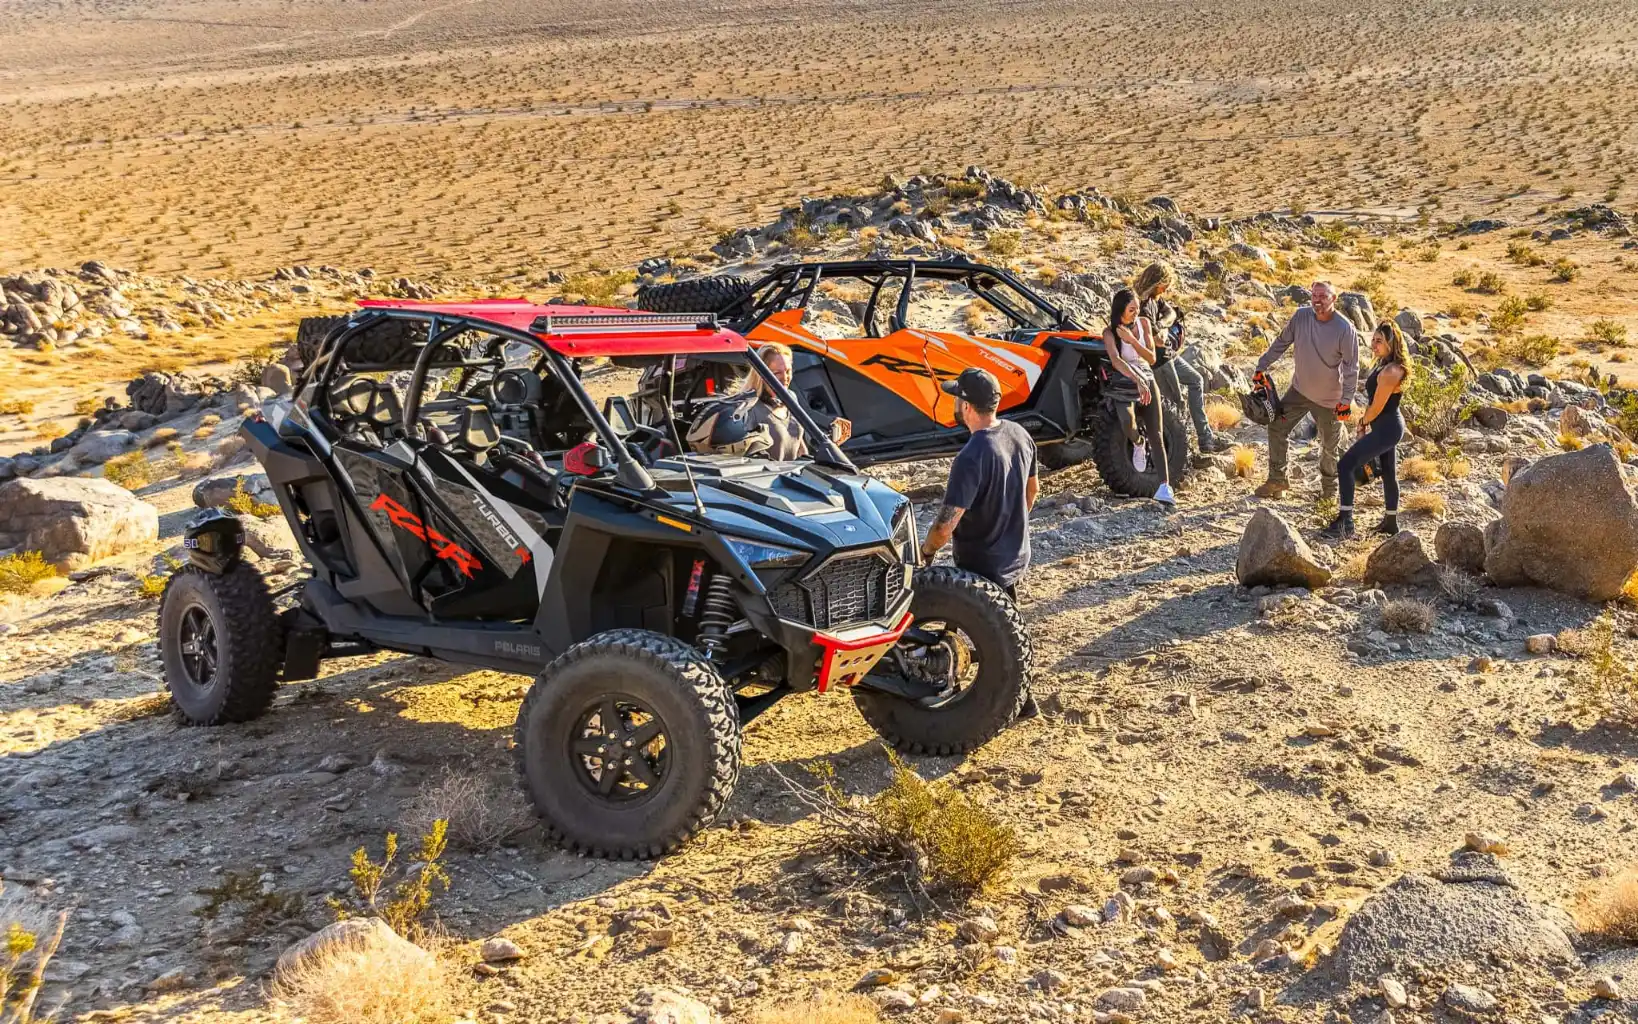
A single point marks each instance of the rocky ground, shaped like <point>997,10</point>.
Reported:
<point>1311,803</point>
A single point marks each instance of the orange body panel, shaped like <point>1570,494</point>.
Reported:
<point>912,363</point>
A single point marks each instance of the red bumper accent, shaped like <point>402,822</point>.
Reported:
<point>848,659</point>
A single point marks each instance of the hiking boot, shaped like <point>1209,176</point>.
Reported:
<point>1216,444</point>
<point>1029,710</point>
<point>1389,524</point>
<point>1341,528</point>
<point>1272,489</point>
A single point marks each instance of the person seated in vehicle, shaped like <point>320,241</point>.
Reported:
<point>739,419</point>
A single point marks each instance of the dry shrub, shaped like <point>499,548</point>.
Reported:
<point>1353,566</point>
<point>1612,911</point>
<point>411,898</point>
<point>32,935</point>
<point>130,471</point>
<point>366,983</point>
<point>935,836</point>
<point>151,588</point>
<point>1457,585</point>
<point>1420,470</point>
<point>16,407</point>
<point>19,573</point>
<point>1607,687</point>
<point>162,436</point>
<point>1222,415</point>
<point>825,1008</point>
<point>1245,460</point>
<point>481,814</point>
<point>240,503</point>
<point>1430,503</point>
<point>1003,243</point>
<point>1408,615</point>
<point>1570,442</point>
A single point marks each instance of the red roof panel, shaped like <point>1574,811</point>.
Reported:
<point>622,333</point>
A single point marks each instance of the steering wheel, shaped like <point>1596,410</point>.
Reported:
<point>646,441</point>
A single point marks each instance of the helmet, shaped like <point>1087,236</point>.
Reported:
<point>1258,406</point>
<point>724,428</point>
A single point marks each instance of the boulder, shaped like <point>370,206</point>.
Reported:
<point>269,538</point>
<point>1491,417</point>
<point>1410,321</point>
<point>661,1005</point>
<point>370,934</point>
<point>277,378</point>
<point>1578,422</point>
<point>1356,306</point>
<point>99,446</point>
<point>1569,524</point>
<point>72,519</point>
<point>1273,554</point>
<point>1432,924</point>
<point>1460,545</point>
<point>1400,559</point>
<point>214,491</point>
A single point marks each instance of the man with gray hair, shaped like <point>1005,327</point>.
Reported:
<point>1325,348</point>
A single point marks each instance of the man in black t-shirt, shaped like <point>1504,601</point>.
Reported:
<point>992,487</point>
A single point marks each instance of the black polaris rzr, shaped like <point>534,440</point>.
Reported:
<point>873,339</point>
<point>460,496</point>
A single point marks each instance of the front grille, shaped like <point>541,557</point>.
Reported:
<point>847,590</point>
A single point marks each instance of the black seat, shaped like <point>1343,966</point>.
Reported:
<point>477,432</point>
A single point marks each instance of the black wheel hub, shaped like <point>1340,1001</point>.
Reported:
<point>198,644</point>
<point>621,749</point>
<point>939,656</point>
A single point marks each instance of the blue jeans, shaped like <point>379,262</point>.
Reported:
<point>1177,378</point>
<point>1378,445</point>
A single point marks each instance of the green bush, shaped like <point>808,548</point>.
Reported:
<point>1435,401</point>
<point>1565,270</point>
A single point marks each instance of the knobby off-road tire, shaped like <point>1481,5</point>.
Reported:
<point>700,295</point>
<point>701,729</point>
<point>386,342</point>
<point>230,674</point>
<point>992,701</point>
<point>1112,454</point>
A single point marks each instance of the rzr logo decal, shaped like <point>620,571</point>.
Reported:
<point>893,364</point>
<point>404,519</point>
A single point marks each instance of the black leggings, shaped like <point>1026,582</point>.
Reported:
<point>1153,428</point>
<point>1377,445</point>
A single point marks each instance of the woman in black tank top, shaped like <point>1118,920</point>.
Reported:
<point>1381,431</point>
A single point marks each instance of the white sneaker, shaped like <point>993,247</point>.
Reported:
<point>1140,457</point>
<point>1163,494</point>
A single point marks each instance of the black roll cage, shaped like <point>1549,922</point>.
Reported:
<point>786,279</point>
<point>441,327</point>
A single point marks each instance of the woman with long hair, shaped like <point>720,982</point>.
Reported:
<point>1174,373</point>
<point>1381,430</point>
<point>1131,350</point>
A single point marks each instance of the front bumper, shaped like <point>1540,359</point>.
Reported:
<point>851,653</point>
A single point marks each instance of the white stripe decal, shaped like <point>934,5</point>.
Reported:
<point>540,553</point>
<point>808,341</point>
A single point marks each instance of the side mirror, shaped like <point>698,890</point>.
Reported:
<point>585,459</point>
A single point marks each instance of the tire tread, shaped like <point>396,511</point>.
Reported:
<point>700,677</point>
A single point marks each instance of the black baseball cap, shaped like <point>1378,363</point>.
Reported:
<point>978,388</point>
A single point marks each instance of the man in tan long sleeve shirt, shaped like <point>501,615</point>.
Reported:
<point>1325,348</point>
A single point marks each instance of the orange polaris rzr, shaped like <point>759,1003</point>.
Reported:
<point>873,339</point>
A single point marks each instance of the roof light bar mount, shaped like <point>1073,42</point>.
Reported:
<point>595,323</point>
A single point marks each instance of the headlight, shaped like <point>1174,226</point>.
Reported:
<point>904,532</point>
<point>758,555</point>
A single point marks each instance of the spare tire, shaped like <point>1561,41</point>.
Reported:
<point>699,295</point>
<point>1112,454</point>
<point>386,344</point>
<point>311,332</point>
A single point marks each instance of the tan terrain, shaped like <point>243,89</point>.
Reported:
<point>1238,803</point>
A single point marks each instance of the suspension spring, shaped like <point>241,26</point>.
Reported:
<point>717,614</point>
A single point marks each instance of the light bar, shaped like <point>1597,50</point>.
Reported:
<point>622,322</point>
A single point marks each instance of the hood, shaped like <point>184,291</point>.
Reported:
<point>781,502</point>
